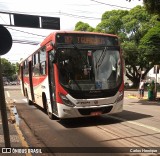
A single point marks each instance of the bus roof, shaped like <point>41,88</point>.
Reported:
<point>53,34</point>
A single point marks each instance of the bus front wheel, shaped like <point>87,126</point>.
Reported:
<point>50,115</point>
<point>45,105</point>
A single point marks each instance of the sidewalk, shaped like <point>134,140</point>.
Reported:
<point>134,94</point>
<point>16,137</point>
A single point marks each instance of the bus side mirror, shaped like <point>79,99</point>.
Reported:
<point>49,46</point>
<point>53,57</point>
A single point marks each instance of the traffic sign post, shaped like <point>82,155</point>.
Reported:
<point>4,112</point>
<point>5,45</point>
<point>156,71</point>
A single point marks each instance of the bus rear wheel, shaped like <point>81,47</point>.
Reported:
<point>28,101</point>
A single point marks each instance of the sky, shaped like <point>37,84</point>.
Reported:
<point>69,11</point>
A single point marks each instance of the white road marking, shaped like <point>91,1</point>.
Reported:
<point>25,100</point>
<point>136,123</point>
<point>19,100</point>
<point>7,93</point>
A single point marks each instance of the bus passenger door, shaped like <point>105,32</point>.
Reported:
<point>52,82</point>
<point>30,81</point>
<point>22,79</point>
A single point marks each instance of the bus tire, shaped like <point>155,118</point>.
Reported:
<point>46,110</point>
<point>45,106</point>
<point>44,100</point>
<point>50,115</point>
<point>28,101</point>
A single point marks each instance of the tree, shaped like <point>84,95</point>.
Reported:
<point>131,26</point>
<point>8,69</point>
<point>149,45</point>
<point>80,26</point>
<point>152,6</point>
<point>137,23</point>
<point>112,22</point>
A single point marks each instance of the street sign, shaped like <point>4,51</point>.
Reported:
<point>26,21</point>
<point>50,23</point>
<point>33,21</point>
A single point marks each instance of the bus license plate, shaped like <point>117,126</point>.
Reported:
<point>96,113</point>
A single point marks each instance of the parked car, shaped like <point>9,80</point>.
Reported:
<point>13,83</point>
<point>5,83</point>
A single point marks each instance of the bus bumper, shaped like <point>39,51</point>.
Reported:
<point>74,112</point>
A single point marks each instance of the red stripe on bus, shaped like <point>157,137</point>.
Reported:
<point>35,80</point>
<point>26,80</point>
<point>38,80</point>
<point>59,88</point>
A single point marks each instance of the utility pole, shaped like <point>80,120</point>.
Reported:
<point>5,45</point>
<point>3,111</point>
<point>156,71</point>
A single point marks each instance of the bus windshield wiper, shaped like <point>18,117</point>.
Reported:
<point>69,84</point>
<point>101,58</point>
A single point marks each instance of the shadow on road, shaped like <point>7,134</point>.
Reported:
<point>87,121</point>
<point>146,102</point>
<point>102,120</point>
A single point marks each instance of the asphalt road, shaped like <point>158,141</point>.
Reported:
<point>135,131</point>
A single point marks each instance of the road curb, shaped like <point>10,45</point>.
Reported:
<point>12,120</point>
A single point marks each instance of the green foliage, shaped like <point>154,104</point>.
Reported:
<point>112,22</point>
<point>152,6</point>
<point>150,46</point>
<point>8,69</point>
<point>136,23</point>
<point>130,53</point>
<point>80,26</point>
<point>139,35</point>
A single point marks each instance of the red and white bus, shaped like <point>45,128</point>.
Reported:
<point>75,74</point>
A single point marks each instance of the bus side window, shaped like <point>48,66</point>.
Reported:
<point>36,65</point>
<point>25,69</point>
<point>42,62</point>
<point>43,68</point>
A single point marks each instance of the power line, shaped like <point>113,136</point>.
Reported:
<point>111,5</point>
<point>60,13</point>
<point>25,42</point>
<point>75,16</point>
<point>26,32</point>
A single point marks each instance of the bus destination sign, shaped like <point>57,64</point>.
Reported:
<point>84,40</point>
<point>87,39</point>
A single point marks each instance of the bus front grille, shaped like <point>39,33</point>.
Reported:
<point>89,111</point>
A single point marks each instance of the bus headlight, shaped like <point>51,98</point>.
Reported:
<point>66,101</point>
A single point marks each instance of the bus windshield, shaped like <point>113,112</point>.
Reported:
<point>85,70</point>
